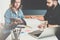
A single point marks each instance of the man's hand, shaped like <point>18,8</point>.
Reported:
<point>43,24</point>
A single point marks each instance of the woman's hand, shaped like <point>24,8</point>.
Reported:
<point>18,20</point>
<point>13,23</point>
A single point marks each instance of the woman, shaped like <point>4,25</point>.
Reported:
<point>14,12</point>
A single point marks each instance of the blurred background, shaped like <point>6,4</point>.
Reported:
<point>29,7</point>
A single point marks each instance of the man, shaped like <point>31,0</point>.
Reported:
<point>53,13</point>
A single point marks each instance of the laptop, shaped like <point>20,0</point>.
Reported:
<point>45,33</point>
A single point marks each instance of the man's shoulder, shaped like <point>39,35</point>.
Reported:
<point>59,6</point>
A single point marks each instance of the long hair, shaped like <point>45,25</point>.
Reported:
<point>12,4</point>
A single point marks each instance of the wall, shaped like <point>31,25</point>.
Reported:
<point>4,4</point>
<point>59,1</point>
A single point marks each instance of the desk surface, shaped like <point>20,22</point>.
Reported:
<point>25,36</point>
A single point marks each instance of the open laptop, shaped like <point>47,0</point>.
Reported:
<point>46,33</point>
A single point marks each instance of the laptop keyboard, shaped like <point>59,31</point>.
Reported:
<point>36,33</point>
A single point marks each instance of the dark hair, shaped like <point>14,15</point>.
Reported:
<point>12,3</point>
<point>55,0</point>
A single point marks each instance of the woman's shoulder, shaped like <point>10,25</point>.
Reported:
<point>8,10</point>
